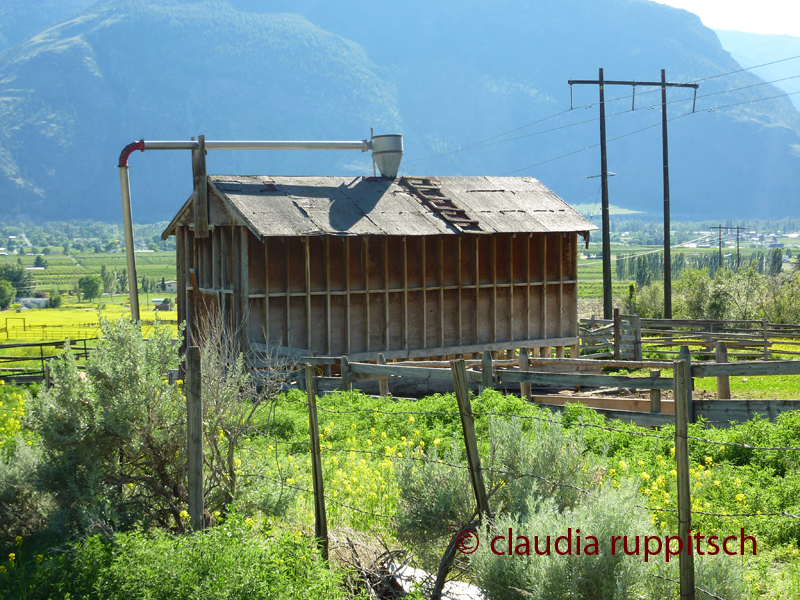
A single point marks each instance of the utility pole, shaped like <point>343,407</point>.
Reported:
<point>663,84</point>
<point>728,229</point>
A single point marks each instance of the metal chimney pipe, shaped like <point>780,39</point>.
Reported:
<point>387,151</point>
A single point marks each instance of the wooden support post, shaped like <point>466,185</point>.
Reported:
<point>487,377</point>
<point>477,312</point>
<point>365,261</point>
<point>347,287</point>
<point>320,518</point>
<point>440,262</point>
<point>461,383</point>
<point>328,334</point>
<point>617,335</point>
<point>194,437</point>
<point>200,189</point>
<point>686,356</point>
<point>493,260</point>
<point>384,382</point>
<point>655,395</point>
<point>307,268</point>
<point>681,382</point>
<point>766,338</point>
<point>637,342</point>
<point>723,381</point>
<point>524,366</point>
<point>386,321</point>
<point>405,293</point>
<point>347,384</point>
<point>574,351</point>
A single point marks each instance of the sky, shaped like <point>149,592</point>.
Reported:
<point>763,16</point>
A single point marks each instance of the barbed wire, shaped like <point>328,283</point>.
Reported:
<point>710,514</point>
<point>699,589</point>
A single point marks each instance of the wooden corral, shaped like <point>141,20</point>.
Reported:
<point>410,267</point>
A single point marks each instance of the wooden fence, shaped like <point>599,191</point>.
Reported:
<point>27,362</point>
<point>618,338</point>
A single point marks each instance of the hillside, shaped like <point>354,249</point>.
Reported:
<point>72,96</point>
<point>750,49</point>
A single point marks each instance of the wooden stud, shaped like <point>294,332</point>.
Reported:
<point>487,371</point>
<point>266,291</point>
<point>307,249</point>
<point>766,338</point>
<point>461,383</point>
<point>244,296</point>
<point>440,261</point>
<point>543,263</point>
<point>384,382</point>
<point>655,394</point>
<point>320,517</point>
<point>365,260</point>
<point>424,295</point>
<point>477,290</point>
<point>347,288</point>
<point>460,289</point>
<point>560,313</point>
<point>347,383</point>
<point>681,383</point>
<point>288,340</point>
<point>180,261</point>
<point>524,367</point>
<point>405,293</point>
<point>493,260</point>
<point>194,437</point>
<point>510,305</point>
<point>215,260</point>
<point>386,291</point>
<point>617,335</point>
<point>528,287</point>
<point>327,263</point>
<point>723,381</point>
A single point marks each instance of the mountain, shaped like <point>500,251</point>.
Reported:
<point>446,75</point>
<point>20,19</point>
<point>750,49</point>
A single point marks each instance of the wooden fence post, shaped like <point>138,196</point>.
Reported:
<point>524,366</point>
<point>320,518</point>
<point>682,402</point>
<point>686,356</point>
<point>617,334</point>
<point>655,395</point>
<point>458,369</point>
<point>383,383</point>
<point>766,338</point>
<point>723,381</point>
<point>194,436</point>
<point>637,342</point>
<point>487,376</point>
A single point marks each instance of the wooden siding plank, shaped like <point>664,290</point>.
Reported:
<point>307,254</point>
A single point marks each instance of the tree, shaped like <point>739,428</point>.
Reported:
<point>55,299</point>
<point>6,293</point>
<point>18,276</point>
<point>90,286</point>
<point>39,262</point>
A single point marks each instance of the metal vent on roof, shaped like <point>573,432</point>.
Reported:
<point>428,192</point>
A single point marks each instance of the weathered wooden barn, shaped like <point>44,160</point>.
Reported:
<point>407,267</point>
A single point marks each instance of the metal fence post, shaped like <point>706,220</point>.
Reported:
<point>194,436</point>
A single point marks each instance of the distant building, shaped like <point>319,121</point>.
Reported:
<point>34,302</point>
<point>171,286</point>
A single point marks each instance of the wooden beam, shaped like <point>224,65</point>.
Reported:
<point>216,281</point>
<point>748,369</point>
<point>383,382</point>
<point>570,379</point>
<point>244,287</point>
<point>511,286</point>
<point>723,381</point>
<point>560,313</point>
<point>477,290</point>
<point>655,394</point>
<point>194,437</point>
<point>460,290</point>
<point>288,341</point>
<point>524,367</point>
<point>320,517</point>
<point>424,294</point>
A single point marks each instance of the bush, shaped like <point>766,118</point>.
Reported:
<point>232,561</point>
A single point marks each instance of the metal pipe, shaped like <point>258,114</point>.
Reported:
<point>127,217</point>
<point>363,145</point>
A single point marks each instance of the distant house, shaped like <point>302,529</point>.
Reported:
<point>171,286</point>
<point>407,267</point>
<point>34,302</point>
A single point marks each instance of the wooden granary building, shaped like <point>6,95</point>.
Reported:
<point>409,267</point>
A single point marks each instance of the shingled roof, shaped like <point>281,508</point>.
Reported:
<point>300,206</point>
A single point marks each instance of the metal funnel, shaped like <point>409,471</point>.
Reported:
<point>387,152</point>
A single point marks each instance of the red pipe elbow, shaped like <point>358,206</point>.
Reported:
<point>128,150</point>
